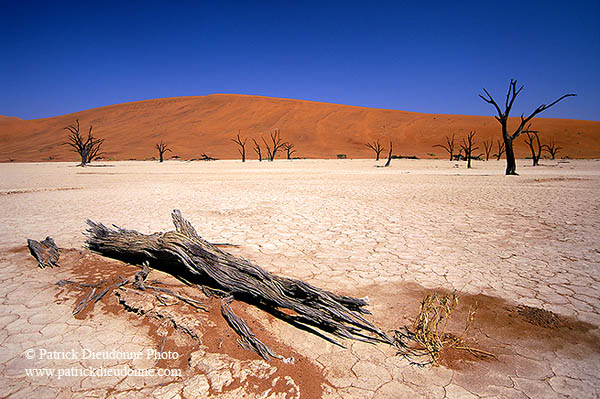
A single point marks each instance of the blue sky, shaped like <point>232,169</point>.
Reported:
<point>435,57</point>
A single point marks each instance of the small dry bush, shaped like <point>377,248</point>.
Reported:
<point>429,337</point>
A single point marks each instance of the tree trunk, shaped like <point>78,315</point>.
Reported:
<point>184,254</point>
<point>389,160</point>
<point>511,164</point>
<point>160,155</point>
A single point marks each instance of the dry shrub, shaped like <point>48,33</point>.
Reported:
<point>429,337</point>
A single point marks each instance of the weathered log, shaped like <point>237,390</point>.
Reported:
<point>45,252</point>
<point>184,254</point>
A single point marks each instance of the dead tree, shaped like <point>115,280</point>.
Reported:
<point>257,150</point>
<point>375,146</point>
<point>468,147</point>
<point>242,145</point>
<point>449,146</point>
<point>45,252</point>
<point>276,144</point>
<point>487,146</point>
<point>552,149</point>
<point>500,149</point>
<point>533,141</point>
<point>289,148</point>
<point>502,118</point>
<point>389,160</point>
<point>162,149</point>
<point>184,254</point>
<point>88,147</point>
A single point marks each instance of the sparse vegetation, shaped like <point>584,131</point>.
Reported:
<point>552,149</point>
<point>449,146</point>
<point>378,148</point>
<point>88,148</point>
<point>289,148</point>
<point>242,144</point>
<point>501,149</point>
<point>468,146</point>
<point>533,141</point>
<point>275,145</point>
<point>429,336</point>
<point>502,118</point>
<point>162,149</point>
<point>487,147</point>
<point>257,150</point>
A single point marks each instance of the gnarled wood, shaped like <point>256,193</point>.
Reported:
<point>45,252</point>
<point>186,255</point>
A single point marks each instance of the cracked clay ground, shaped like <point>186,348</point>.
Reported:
<point>390,234</point>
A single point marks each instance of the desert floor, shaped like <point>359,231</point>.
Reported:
<point>391,234</point>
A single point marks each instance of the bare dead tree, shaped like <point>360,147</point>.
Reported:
<point>501,149</point>
<point>389,160</point>
<point>162,149</point>
<point>502,118</point>
<point>552,149</point>
<point>289,148</point>
<point>257,150</point>
<point>375,146</point>
<point>468,146</point>
<point>276,144</point>
<point>449,146</point>
<point>533,141</point>
<point>242,145</point>
<point>487,146</point>
<point>88,147</point>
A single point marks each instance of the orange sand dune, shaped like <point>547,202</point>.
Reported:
<point>195,125</point>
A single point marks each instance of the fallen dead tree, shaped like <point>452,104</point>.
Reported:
<point>184,254</point>
<point>45,252</point>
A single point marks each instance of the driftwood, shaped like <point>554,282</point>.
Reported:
<point>184,254</point>
<point>45,252</point>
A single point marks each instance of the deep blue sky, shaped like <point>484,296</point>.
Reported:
<point>60,57</point>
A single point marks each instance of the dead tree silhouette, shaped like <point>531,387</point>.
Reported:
<point>552,149</point>
<point>449,146</point>
<point>533,141</point>
<point>375,146</point>
<point>257,150</point>
<point>468,147</point>
<point>162,149</point>
<point>242,145</point>
<point>502,118</point>
<point>88,148</point>
<point>501,149</point>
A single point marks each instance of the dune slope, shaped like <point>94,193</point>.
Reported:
<point>195,125</point>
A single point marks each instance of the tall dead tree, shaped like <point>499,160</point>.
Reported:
<point>449,146</point>
<point>501,149</point>
<point>257,150</point>
<point>502,118</point>
<point>242,144</point>
<point>289,149</point>
<point>275,145</point>
<point>389,160</point>
<point>375,146</point>
<point>487,147</point>
<point>162,149</point>
<point>88,147</point>
<point>552,149</point>
<point>533,141</point>
<point>468,146</point>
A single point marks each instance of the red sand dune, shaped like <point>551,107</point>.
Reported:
<point>195,125</point>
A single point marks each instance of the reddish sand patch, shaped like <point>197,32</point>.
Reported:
<point>213,331</point>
